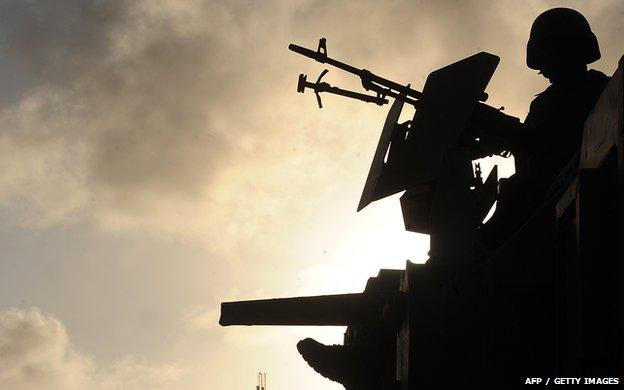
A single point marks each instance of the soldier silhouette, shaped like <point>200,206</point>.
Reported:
<point>561,45</point>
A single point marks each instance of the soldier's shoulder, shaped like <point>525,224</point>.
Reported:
<point>597,78</point>
<point>595,81</point>
<point>597,75</point>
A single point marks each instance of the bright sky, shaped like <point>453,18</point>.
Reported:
<point>157,160</point>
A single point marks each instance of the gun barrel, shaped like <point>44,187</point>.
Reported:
<point>370,81</point>
<point>343,309</point>
<point>304,51</point>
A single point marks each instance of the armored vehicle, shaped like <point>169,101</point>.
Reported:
<point>548,302</point>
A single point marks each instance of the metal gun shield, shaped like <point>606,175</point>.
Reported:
<point>448,100</point>
<point>373,187</point>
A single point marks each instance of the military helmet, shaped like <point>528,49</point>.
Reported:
<point>561,36</point>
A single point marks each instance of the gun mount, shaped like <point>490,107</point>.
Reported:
<point>431,155</point>
<point>548,303</point>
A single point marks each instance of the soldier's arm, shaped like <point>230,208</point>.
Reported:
<point>495,132</point>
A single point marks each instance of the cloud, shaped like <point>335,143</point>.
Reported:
<point>132,373</point>
<point>165,116</point>
<point>172,120</point>
<point>36,353</point>
<point>118,106</point>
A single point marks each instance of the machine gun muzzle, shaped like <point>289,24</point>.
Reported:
<point>337,310</point>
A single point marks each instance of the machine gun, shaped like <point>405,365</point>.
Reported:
<point>486,120</point>
<point>371,82</point>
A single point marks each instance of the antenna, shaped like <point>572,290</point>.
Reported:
<point>261,381</point>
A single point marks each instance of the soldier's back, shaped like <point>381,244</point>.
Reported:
<point>556,118</point>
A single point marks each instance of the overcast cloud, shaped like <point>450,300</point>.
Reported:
<point>157,160</point>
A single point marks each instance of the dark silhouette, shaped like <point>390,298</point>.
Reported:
<point>537,291</point>
<point>560,47</point>
<point>365,361</point>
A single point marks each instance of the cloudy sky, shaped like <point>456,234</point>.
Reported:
<point>156,160</point>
